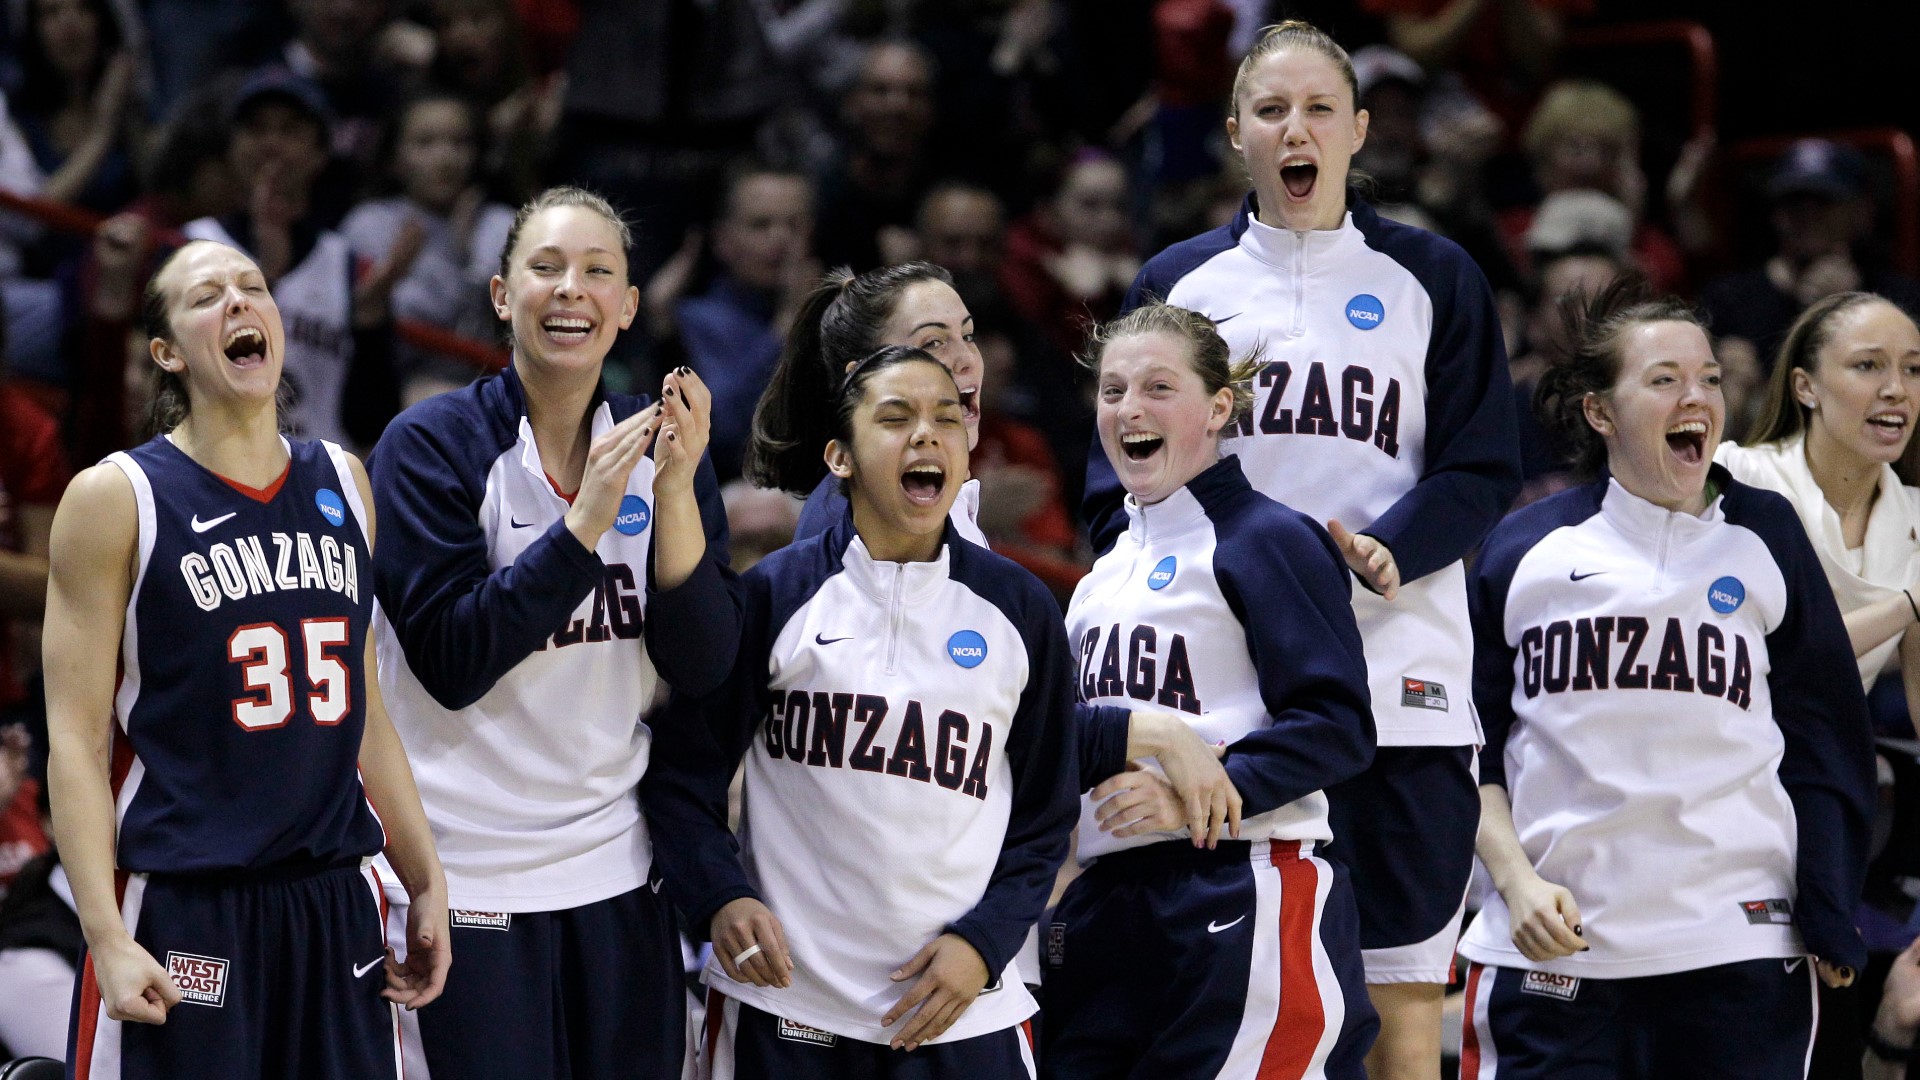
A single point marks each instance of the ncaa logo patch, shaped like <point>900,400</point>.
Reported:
<point>1366,312</point>
<point>1726,595</point>
<point>1564,987</point>
<point>331,508</point>
<point>793,1032</point>
<point>1162,573</point>
<point>201,979</point>
<point>967,648</point>
<point>634,516</point>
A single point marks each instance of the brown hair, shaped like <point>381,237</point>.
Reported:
<point>1207,351</point>
<point>1293,34</point>
<point>1591,364</point>
<point>563,196</point>
<point>167,400</point>
<point>839,323</point>
<point>1580,107</point>
<point>1783,416</point>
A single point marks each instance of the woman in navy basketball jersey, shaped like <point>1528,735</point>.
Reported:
<point>1241,957</point>
<point>215,735</point>
<point>902,702</point>
<point>1678,771</point>
<point>555,561</point>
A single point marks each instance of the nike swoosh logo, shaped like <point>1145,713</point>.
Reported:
<point>655,885</point>
<point>1223,322</point>
<point>1794,963</point>
<point>1573,576</point>
<point>362,969</point>
<point>516,523</point>
<point>1214,928</point>
<point>202,526</point>
<point>819,640</point>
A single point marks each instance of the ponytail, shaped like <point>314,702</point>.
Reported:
<point>840,323</point>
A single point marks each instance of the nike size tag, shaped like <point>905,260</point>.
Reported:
<point>1775,912</point>
<point>1423,694</point>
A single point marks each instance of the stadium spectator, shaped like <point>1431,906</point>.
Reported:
<point>732,331</point>
<point>339,358</point>
<point>359,58</point>
<point>40,948</point>
<point>1820,213</point>
<point>1072,259</point>
<point>76,102</point>
<point>1580,270</point>
<point>963,228</point>
<point>1504,48</point>
<point>481,54</point>
<point>1586,136</point>
<point>430,161</point>
<point>869,194</point>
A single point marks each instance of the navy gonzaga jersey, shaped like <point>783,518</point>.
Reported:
<point>240,706</point>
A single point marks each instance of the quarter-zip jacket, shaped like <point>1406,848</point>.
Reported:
<point>1230,611</point>
<point>1383,402</point>
<point>909,771</point>
<point>520,667</point>
<point>1669,700</point>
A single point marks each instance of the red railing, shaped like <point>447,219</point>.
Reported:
<point>63,217</point>
<point>1703,58</point>
<point>1891,144</point>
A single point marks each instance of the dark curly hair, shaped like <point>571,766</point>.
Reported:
<point>1591,365</point>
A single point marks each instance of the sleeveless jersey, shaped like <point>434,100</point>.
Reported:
<point>240,706</point>
<point>315,298</point>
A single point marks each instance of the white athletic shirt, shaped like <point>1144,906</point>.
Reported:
<point>1230,611</point>
<point>519,667</point>
<point>1887,562</point>
<point>1669,703</point>
<point>906,729</point>
<point>1383,402</point>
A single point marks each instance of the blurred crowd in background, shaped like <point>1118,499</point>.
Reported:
<point>368,154</point>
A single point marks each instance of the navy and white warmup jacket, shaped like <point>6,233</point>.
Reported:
<point>1671,705</point>
<point>241,701</point>
<point>518,666</point>
<point>1232,611</point>
<point>1383,402</point>
<point>910,771</point>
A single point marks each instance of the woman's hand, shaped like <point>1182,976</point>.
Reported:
<point>685,423</point>
<point>952,973</point>
<point>133,986</point>
<point>415,982</point>
<point>1544,919</point>
<point>610,462</point>
<point>751,947</point>
<point>1136,802</point>
<point>1368,558</point>
<point>1194,767</point>
<point>1835,976</point>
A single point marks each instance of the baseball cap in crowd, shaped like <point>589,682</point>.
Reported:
<point>1376,64</point>
<point>281,84</point>
<point>1819,167</point>
<point>1581,219</point>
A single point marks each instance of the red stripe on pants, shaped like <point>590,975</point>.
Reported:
<point>1302,1019</point>
<point>1470,1037</point>
<point>89,1022</point>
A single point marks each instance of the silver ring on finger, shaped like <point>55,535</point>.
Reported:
<point>746,954</point>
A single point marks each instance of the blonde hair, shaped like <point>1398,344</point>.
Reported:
<point>1293,34</point>
<point>1208,352</point>
<point>1580,107</point>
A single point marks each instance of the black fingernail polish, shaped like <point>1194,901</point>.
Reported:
<point>1576,930</point>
